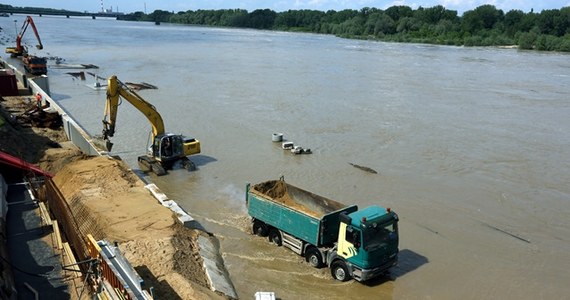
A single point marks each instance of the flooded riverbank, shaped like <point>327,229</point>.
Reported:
<point>469,146</point>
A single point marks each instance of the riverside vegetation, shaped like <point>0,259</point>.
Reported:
<point>485,25</point>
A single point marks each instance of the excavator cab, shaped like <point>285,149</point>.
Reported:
<point>168,147</point>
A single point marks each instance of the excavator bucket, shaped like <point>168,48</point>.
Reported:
<point>108,145</point>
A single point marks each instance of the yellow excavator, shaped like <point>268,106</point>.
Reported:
<point>166,148</point>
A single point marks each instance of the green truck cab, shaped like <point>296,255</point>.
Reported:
<point>353,243</point>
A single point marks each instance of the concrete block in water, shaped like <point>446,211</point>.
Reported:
<point>265,296</point>
<point>182,216</point>
<point>155,191</point>
<point>214,266</point>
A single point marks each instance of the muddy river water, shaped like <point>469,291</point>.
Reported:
<point>471,146</point>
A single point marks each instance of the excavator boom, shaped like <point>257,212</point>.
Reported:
<point>115,90</point>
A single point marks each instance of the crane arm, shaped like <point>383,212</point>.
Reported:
<point>28,21</point>
<point>116,90</point>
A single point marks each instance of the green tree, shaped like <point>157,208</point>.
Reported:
<point>433,15</point>
<point>512,21</point>
<point>526,40</point>
<point>384,25</point>
<point>341,16</point>
<point>565,43</point>
<point>554,22</point>
<point>547,43</point>
<point>408,24</point>
<point>483,17</point>
<point>261,19</point>
<point>234,18</point>
<point>399,12</point>
<point>159,16</point>
<point>528,22</point>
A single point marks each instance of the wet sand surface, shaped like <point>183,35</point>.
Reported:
<point>469,145</point>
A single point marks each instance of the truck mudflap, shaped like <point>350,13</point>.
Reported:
<point>367,274</point>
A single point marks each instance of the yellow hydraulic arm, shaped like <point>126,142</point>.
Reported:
<point>116,88</point>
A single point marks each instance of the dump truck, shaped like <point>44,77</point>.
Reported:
<point>35,65</point>
<point>353,243</point>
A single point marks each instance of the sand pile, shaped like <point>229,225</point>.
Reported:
<point>276,190</point>
<point>103,189</point>
<point>110,202</point>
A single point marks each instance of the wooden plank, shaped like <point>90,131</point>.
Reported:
<point>57,235</point>
<point>45,214</point>
<point>120,294</point>
<point>71,260</point>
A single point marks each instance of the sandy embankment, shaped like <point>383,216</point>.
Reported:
<point>110,202</point>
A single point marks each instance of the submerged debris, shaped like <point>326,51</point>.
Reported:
<point>132,85</point>
<point>97,77</point>
<point>141,86</point>
<point>365,169</point>
<point>301,150</point>
<point>295,149</point>
<point>287,145</point>
<point>74,66</point>
<point>80,75</point>
<point>516,236</point>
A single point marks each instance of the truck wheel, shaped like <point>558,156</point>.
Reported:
<point>275,237</point>
<point>339,271</point>
<point>259,228</point>
<point>314,258</point>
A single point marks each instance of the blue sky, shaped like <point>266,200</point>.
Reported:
<point>282,5</point>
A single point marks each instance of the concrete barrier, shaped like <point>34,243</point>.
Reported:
<point>73,131</point>
<point>213,263</point>
<point>155,191</point>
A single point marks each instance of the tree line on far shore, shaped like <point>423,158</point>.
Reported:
<point>485,25</point>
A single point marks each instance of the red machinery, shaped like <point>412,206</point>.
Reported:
<point>33,64</point>
<point>19,50</point>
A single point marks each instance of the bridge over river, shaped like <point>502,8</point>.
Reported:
<point>52,12</point>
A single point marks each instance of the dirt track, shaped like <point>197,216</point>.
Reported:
<point>110,202</point>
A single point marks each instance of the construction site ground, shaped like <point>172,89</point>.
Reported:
<point>110,202</point>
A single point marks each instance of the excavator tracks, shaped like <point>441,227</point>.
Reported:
<point>150,164</point>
